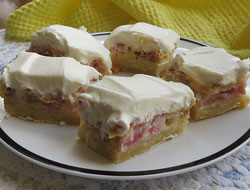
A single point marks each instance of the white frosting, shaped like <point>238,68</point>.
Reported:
<point>75,43</point>
<point>247,62</point>
<point>120,100</point>
<point>47,74</point>
<point>208,65</point>
<point>143,36</point>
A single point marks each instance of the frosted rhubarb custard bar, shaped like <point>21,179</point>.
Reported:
<point>140,47</point>
<point>217,78</point>
<point>59,40</point>
<point>125,116</point>
<point>45,89</point>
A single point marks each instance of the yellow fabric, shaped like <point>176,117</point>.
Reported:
<point>221,23</point>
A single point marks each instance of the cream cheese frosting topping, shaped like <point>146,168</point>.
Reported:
<point>143,36</point>
<point>208,65</point>
<point>47,74</point>
<point>75,43</point>
<point>120,100</point>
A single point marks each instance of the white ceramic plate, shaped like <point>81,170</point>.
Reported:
<point>58,148</point>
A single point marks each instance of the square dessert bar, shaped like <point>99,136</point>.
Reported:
<point>217,78</point>
<point>140,47</point>
<point>125,116</point>
<point>45,89</point>
<point>59,40</point>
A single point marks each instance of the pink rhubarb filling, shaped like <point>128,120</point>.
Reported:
<point>140,131</point>
<point>121,48</point>
<point>46,52</point>
<point>236,91</point>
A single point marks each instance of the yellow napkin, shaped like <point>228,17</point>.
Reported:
<point>221,23</point>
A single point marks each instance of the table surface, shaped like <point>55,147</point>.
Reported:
<point>230,173</point>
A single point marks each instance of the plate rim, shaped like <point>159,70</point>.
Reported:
<point>124,175</point>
